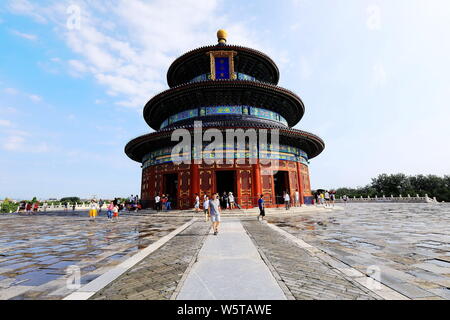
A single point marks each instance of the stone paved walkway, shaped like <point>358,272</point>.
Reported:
<point>229,267</point>
<point>305,277</point>
<point>158,275</point>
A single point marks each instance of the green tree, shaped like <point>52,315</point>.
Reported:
<point>70,200</point>
<point>396,184</point>
<point>8,206</point>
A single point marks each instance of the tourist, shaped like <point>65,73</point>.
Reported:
<point>93,210</point>
<point>36,206</point>
<point>332,197</point>
<point>168,203</point>
<point>214,213</point>
<point>297,198</point>
<point>327,198</point>
<point>261,206</point>
<point>73,206</point>
<point>231,200</point>
<point>65,206</point>
<point>206,206</point>
<point>110,209</point>
<point>28,207</point>
<point>316,197</point>
<point>115,213</point>
<point>321,198</point>
<point>287,200</point>
<point>197,203</point>
<point>100,205</point>
<point>224,200</point>
<point>163,202</point>
<point>45,206</point>
<point>157,202</point>
<point>345,198</point>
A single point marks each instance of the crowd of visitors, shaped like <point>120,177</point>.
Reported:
<point>95,207</point>
<point>163,202</point>
<point>28,207</point>
<point>293,200</point>
<point>325,198</point>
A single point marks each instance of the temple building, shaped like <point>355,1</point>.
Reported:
<point>225,87</point>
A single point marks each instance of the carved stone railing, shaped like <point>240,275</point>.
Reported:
<point>399,199</point>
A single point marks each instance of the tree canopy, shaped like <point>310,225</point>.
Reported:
<point>69,200</point>
<point>401,184</point>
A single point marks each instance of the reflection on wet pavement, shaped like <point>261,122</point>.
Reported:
<point>410,243</point>
<point>35,251</point>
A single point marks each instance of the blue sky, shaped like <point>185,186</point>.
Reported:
<point>374,76</point>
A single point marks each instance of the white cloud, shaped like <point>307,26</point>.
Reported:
<point>295,26</point>
<point>77,68</point>
<point>305,68</point>
<point>127,46</point>
<point>52,66</point>
<point>35,98</point>
<point>27,36</point>
<point>5,123</point>
<point>373,21</point>
<point>11,91</point>
<point>19,141</point>
<point>8,110</point>
<point>13,143</point>
<point>379,75</point>
<point>25,7</point>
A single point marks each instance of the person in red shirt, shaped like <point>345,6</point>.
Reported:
<point>164,201</point>
<point>28,208</point>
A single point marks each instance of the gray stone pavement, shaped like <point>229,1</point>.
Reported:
<point>305,277</point>
<point>35,251</point>
<point>229,267</point>
<point>159,274</point>
<point>408,243</point>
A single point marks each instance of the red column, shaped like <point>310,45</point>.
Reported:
<point>300,183</point>
<point>257,190</point>
<point>195,182</point>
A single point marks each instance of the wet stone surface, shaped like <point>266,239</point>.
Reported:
<point>408,243</point>
<point>305,276</point>
<point>158,275</point>
<point>35,251</point>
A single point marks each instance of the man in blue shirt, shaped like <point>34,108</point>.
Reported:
<point>262,213</point>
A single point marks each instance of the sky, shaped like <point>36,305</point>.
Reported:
<point>75,76</point>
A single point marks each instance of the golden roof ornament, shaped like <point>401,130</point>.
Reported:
<point>222,36</point>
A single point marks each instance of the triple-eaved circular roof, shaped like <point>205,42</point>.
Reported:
<point>248,61</point>
<point>223,92</point>
<point>185,93</point>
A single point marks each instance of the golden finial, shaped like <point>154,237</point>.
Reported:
<point>222,36</point>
